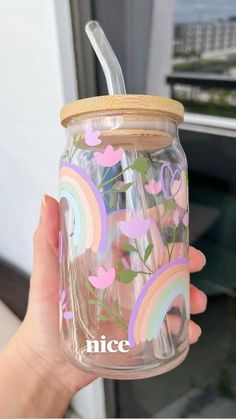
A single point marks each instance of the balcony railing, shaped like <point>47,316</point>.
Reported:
<point>202,80</point>
<point>199,122</point>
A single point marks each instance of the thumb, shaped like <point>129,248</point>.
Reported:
<point>45,276</point>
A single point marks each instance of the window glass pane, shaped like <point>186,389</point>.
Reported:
<point>204,52</point>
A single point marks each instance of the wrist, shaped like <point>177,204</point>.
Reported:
<point>37,392</point>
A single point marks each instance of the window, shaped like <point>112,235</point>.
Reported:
<point>188,50</point>
<point>210,50</point>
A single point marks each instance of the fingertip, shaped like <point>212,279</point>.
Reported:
<point>49,202</point>
<point>195,332</point>
<point>197,259</point>
<point>202,256</point>
<point>49,219</point>
<point>198,300</point>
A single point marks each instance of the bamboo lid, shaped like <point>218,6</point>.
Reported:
<point>160,106</point>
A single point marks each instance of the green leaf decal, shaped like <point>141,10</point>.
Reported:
<point>169,204</point>
<point>77,140</point>
<point>129,247</point>
<point>140,165</point>
<point>91,301</point>
<point>119,265</point>
<point>116,305</point>
<point>122,323</point>
<point>88,286</point>
<point>103,318</point>
<point>126,276</point>
<point>148,251</point>
<point>112,200</point>
<point>115,186</point>
<point>165,241</point>
<point>125,187</point>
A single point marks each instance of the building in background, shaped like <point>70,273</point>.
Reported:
<point>203,37</point>
<point>206,48</point>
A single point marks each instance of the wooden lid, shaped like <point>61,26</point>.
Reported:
<point>160,106</point>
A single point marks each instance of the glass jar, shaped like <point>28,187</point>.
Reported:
<point>123,241</point>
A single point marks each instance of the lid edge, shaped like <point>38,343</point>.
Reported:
<point>134,102</point>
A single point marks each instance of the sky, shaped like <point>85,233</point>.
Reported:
<point>204,10</point>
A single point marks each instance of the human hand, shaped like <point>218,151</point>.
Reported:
<point>37,340</point>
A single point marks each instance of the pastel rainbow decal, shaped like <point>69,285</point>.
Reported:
<point>88,208</point>
<point>154,300</point>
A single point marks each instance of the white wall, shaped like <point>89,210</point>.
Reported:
<point>33,87</point>
<point>37,76</point>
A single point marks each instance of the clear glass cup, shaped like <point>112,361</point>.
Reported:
<point>123,242</point>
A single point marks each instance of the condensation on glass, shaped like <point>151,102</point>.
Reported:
<point>123,241</point>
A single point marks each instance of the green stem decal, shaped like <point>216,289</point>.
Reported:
<point>112,313</point>
<point>72,154</point>
<point>174,239</point>
<point>142,259</point>
<point>102,184</point>
<point>104,175</point>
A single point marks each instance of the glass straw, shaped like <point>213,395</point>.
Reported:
<point>107,58</point>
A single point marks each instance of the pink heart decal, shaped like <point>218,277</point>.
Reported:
<point>153,187</point>
<point>103,279</point>
<point>174,185</point>
<point>92,137</point>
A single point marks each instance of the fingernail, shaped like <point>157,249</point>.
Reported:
<point>198,331</point>
<point>195,333</point>
<point>204,296</point>
<point>44,201</point>
<point>43,207</point>
<point>204,257</point>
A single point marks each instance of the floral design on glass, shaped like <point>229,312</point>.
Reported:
<point>103,279</point>
<point>169,193</point>
<point>110,309</point>
<point>111,184</point>
<point>92,137</point>
<point>68,315</point>
<point>174,181</point>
